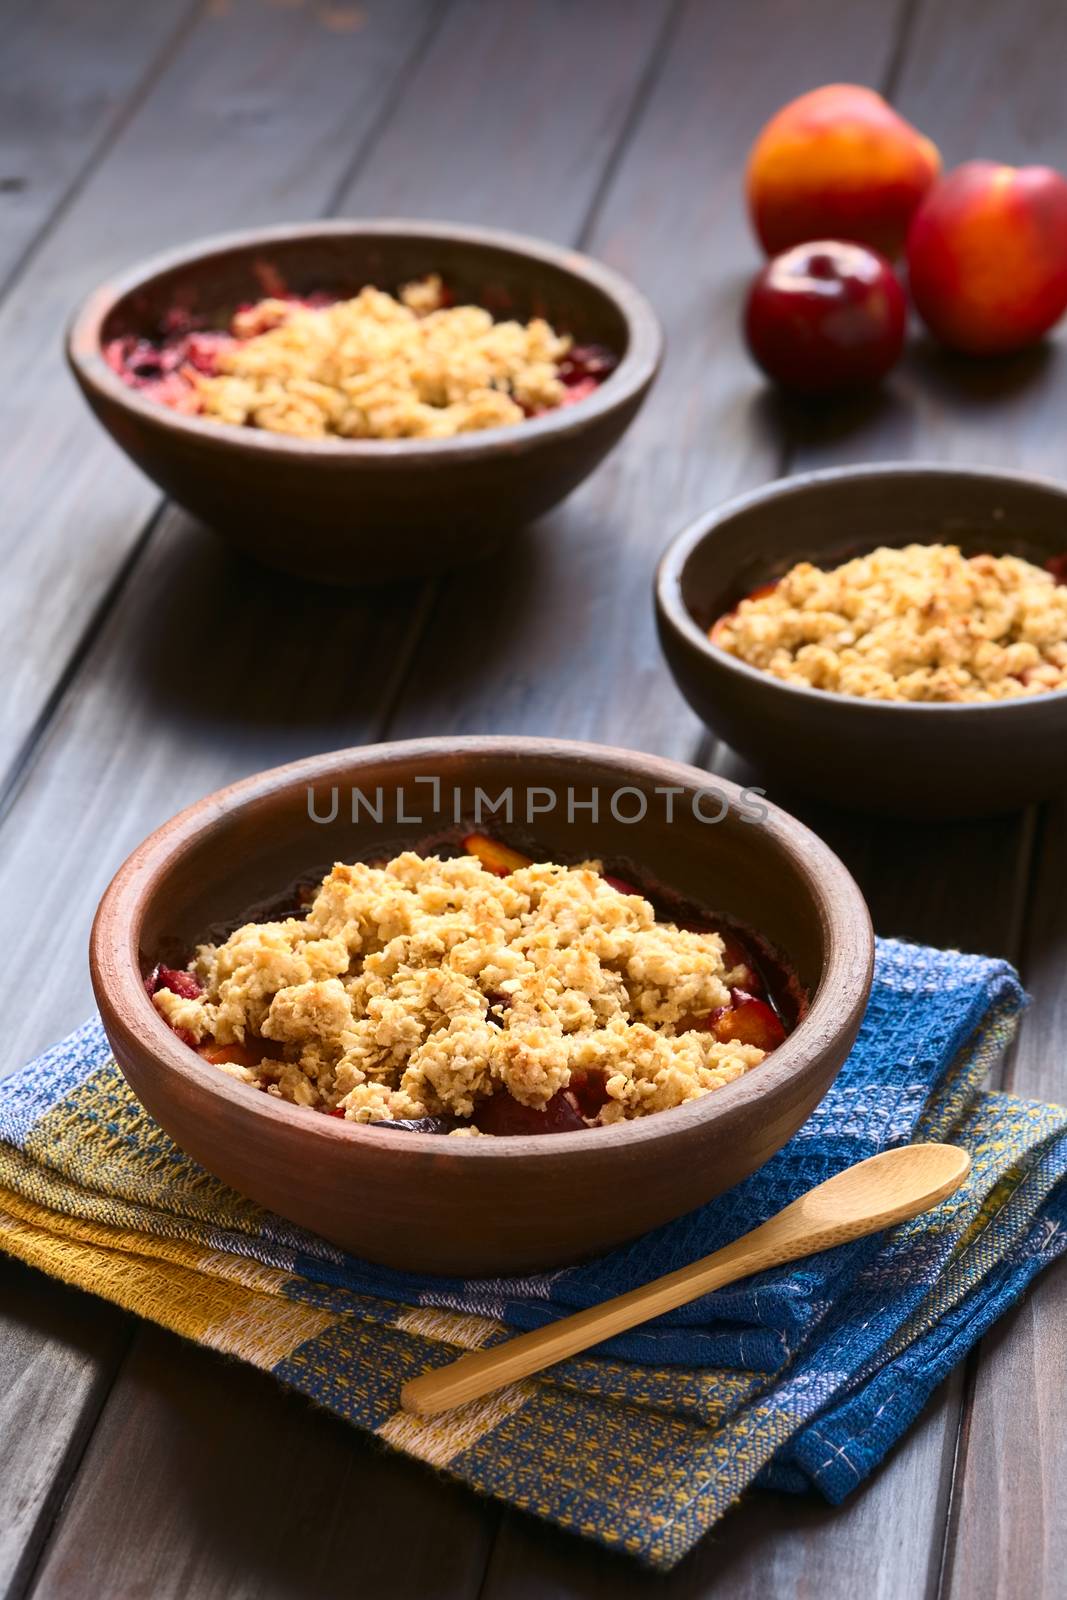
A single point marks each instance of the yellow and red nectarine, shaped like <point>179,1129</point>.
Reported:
<point>838,163</point>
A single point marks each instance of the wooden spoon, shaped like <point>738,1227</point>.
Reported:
<point>873,1194</point>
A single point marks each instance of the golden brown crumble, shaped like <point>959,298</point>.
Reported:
<point>425,985</point>
<point>377,367</point>
<point>919,623</point>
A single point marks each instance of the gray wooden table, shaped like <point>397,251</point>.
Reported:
<point>142,666</point>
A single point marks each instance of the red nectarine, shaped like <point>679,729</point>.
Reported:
<point>987,256</point>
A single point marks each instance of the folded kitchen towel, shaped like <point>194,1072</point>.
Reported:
<point>802,1377</point>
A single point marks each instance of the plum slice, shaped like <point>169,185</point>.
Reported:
<point>237,1055</point>
<point>494,857</point>
<point>180,983</point>
<point>621,885</point>
<point>588,1088</point>
<point>583,369</point>
<point>420,1124</point>
<point>506,1117</point>
<point>409,1124</point>
<point>746,1020</point>
<point>749,1020</point>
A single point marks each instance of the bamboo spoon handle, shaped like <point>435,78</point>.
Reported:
<point>874,1194</point>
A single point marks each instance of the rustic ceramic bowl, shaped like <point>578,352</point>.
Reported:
<point>489,1205</point>
<point>913,760</point>
<point>355,511</point>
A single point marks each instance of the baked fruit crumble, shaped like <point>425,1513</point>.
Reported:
<point>919,623</point>
<point>374,366</point>
<point>478,994</point>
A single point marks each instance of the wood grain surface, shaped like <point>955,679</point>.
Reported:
<point>262,1495</point>
<point>59,1353</point>
<point>142,666</point>
<point>60,109</point>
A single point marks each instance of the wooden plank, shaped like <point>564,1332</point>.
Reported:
<point>53,1343</point>
<point>259,115</point>
<point>1008,1534</point>
<point>58,108</point>
<point>513,120</point>
<point>204,1479</point>
<point>1008,1539</point>
<point>154,719</point>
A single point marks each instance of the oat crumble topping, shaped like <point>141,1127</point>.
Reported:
<point>423,986</point>
<point>919,623</point>
<point>378,367</point>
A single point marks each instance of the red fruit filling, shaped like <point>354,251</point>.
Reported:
<point>1057,565</point>
<point>748,1020</point>
<point>238,1055</point>
<point>586,364</point>
<point>164,368</point>
<point>621,884</point>
<point>589,1091</point>
<point>506,1117</point>
<point>739,959</point>
<point>178,982</point>
<point>494,857</point>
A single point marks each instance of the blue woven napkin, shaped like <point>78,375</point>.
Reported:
<point>802,1377</point>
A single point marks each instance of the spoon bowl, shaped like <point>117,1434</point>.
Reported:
<point>887,1188</point>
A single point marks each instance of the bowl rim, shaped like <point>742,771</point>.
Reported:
<point>635,371</point>
<point>671,606</point>
<point>836,1007</point>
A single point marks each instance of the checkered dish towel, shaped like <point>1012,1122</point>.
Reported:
<point>802,1377</point>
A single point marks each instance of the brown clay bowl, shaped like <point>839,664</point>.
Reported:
<point>359,511</point>
<point>491,1205</point>
<point>913,760</point>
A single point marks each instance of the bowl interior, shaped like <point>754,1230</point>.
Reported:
<point>829,518</point>
<point>509,282</point>
<point>236,860</point>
